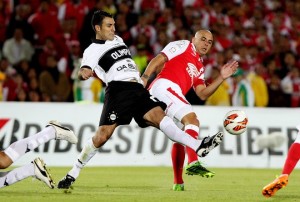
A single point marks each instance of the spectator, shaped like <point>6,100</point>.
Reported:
<point>21,96</point>
<point>125,8</point>
<point>162,41</point>
<point>49,48</point>
<point>20,20</point>
<point>141,58</point>
<point>110,7</point>
<point>259,86</point>
<point>123,29</point>
<point>17,48</point>
<point>290,85</point>
<point>73,57</point>
<point>5,13</point>
<point>69,30</point>
<point>54,83</point>
<point>142,27</point>
<point>242,94</point>
<point>141,6</point>
<point>73,9</point>
<point>45,23</point>
<point>277,98</point>
<point>34,96</point>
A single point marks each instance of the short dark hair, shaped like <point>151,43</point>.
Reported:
<point>98,17</point>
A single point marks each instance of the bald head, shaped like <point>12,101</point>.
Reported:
<point>203,32</point>
<point>203,41</point>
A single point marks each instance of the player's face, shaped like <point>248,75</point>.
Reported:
<point>107,30</point>
<point>203,41</point>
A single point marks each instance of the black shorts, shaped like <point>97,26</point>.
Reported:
<point>127,100</point>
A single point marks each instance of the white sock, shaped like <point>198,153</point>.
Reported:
<point>20,147</point>
<point>16,175</point>
<point>192,127</point>
<point>168,127</point>
<point>88,151</point>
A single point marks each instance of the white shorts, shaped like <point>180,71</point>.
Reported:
<point>171,94</point>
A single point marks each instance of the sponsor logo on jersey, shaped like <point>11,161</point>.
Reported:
<point>127,67</point>
<point>119,53</point>
<point>113,56</point>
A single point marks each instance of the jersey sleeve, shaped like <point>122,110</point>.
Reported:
<point>89,59</point>
<point>175,48</point>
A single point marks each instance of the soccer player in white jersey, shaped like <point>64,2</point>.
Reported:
<point>37,167</point>
<point>179,68</point>
<point>125,98</point>
<point>291,161</point>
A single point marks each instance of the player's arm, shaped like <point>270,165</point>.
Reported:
<point>154,66</point>
<point>85,73</point>
<point>203,92</point>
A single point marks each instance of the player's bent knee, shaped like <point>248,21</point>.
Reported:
<point>5,161</point>
<point>190,118</point>
<point>154,116</point>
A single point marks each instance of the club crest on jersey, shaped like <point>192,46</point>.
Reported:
<point>192,70</point>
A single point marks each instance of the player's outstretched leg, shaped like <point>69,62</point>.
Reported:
<point>280,182</point>
<point>36,168</point>
<point>63,133</point>
<point>53,130</point>
<point>41,172</point>
<point>209,143</point>
<point>197,169</point>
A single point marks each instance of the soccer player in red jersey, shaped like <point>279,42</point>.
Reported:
<point>179,67</point>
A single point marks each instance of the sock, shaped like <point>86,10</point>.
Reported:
<point>193,131</point>
<point>178,155</point>
<point>16,175</point>
<point>291,159</point>
<point>169,128</point>
<point>20,147</point>
<point>88,151</point>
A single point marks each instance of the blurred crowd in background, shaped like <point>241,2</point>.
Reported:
<point>42,41</point>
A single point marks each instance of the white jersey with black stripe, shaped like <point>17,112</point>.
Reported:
<point>111,60</point>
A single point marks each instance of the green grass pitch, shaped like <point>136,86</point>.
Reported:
<point>151,184</point>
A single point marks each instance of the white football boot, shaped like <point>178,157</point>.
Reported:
<point>63,133</point>
<point>41,172</point>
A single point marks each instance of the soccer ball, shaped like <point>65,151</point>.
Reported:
<point>235,122</point>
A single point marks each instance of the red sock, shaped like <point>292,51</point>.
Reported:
<point>178,156</point>
<point>192,130</point>
<point>291,159</point>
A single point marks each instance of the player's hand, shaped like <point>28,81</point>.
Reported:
<point>85,73</point>
<point>229,69</point>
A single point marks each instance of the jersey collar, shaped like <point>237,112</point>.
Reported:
<point>98,41</point>
<point>194,48</point>
<point>195,51</point>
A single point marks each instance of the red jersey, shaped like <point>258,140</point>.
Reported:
<point>184,66</point>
